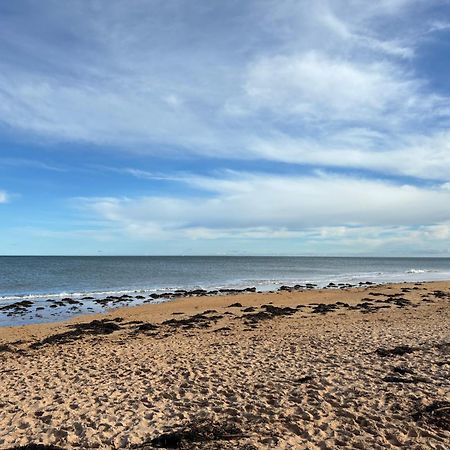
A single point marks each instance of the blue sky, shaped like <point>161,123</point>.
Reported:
<point>258,127</point>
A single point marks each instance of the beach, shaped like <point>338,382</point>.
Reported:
<point>364,367</point>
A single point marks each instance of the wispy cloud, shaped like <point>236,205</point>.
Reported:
<point>315,86</point>
<point>4,197</point>
<point>415,155</point>
<point>215,90</point>
<point>31,163</point>
<point>275,204</point>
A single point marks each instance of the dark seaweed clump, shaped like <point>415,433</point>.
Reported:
<point>96,327</point>
<point>437,415</point>
<point>36,447</point>
<point>192,435</point>
<point>396,351</point>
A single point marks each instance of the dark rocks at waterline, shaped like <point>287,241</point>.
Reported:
<point>112,299</point>
<point>23,307</point>
<point>286,288</point>
<point>237,291</point>
<point>197,292</point>
<point>24,304</point>
<point>297,287</point>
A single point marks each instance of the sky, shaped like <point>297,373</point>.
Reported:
<point>257,127</point>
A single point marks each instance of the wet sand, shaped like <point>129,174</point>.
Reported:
<point>363,368</point>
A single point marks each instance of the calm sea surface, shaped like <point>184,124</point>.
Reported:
<point>40,278</point>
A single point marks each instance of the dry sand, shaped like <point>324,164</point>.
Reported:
<point>264,379</point>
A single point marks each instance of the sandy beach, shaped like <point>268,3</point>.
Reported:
<point>359,368</point>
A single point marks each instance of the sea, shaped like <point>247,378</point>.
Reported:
<point>43,280</point>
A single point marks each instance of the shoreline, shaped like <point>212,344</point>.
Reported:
<point>67,307</point>
<point>166,303</point>
<point>292,369</point>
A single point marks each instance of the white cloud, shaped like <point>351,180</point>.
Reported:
<point>315,86</point>
<point>258,203</point>
<point>317,214</point>
<point>413,155</point>
<point>4,197</point>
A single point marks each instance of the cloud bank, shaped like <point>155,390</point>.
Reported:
<point>321,206</point>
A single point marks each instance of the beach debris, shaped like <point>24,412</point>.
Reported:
<point>441,295</point>
<point>147,327</point>
<point>36,447</point>
<point>222,329</point>
<point>96,327</point>
<point>201,320</point>
<point>444,347</point>
<point>304,379</point>
<point>437,414</point>
<point>402,370</point>
<point>269,313</point>
<point>7,348</point>
<point>323,308</point>
<point>193,433</point>
<point>396,351</point>
<point>397,379</point>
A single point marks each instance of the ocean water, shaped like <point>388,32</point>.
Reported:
<point>40,279</point>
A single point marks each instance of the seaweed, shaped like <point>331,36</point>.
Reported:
<point>36,447</point>
<point>396,351</point>
<point>194,433</point>
<point>437,414</point>
<point>95,327</point>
